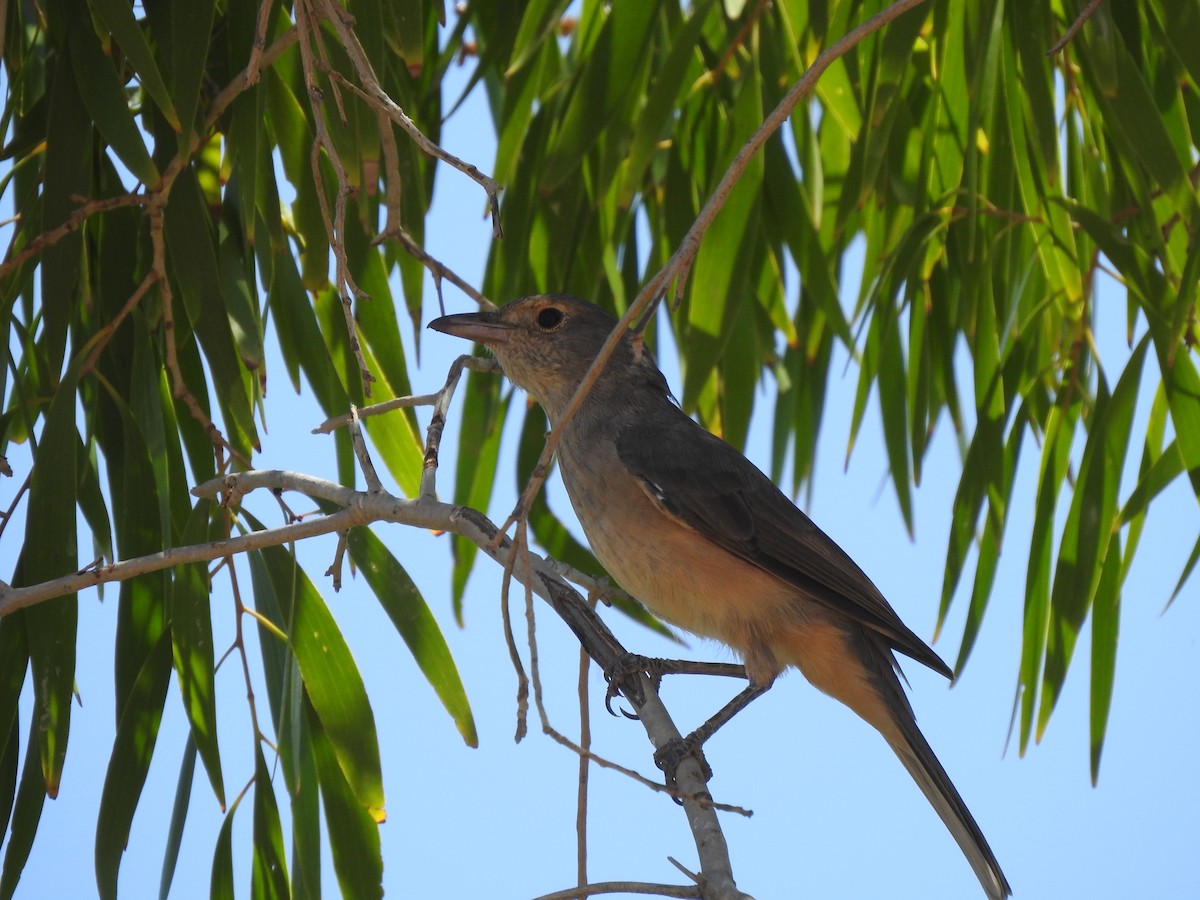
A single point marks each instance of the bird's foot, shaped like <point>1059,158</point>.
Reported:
<point>622,676</point>
<point>670,755</point>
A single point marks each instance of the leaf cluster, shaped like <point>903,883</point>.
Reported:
<point>194,184</point>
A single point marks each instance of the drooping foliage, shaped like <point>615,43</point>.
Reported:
<point>190,181</point>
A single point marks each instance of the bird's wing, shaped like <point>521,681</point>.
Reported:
<point>707,485</point>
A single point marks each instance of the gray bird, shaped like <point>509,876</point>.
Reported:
<point>691,528</point>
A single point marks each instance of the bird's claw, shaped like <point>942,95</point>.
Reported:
<point>622,675</point>
<point>670,755</point>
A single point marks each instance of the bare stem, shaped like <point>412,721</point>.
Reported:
<point>1088,12</point>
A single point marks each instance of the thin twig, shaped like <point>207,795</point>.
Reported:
<point>335,226</point>
<point>374,485</point>
<point>391,166</point>
<point>714,74</point>
<point>377,97</point>
<point>264,622</point>
<point>625,887</point>
<point>7,515</point>
<point>334,572</point>
<point>255,62</point>
<point>440,401</point>
<point>1087,13</point>
<point>514,654</point>
<point>438,269</point>
<point>239,636</point>
<point>179,389</point>
<point>104,334</point>
<point>585,744</point>
<point>71,224</point>
<point>246,78</point>
<point>601,588</point>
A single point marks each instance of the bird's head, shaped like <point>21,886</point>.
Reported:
<point>546,343</point>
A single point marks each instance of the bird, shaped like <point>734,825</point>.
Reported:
<point>707,542</point>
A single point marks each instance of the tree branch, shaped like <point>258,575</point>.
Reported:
<point>624,887</point>
<point>361,508</point>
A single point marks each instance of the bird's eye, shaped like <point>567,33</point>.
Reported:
<point>549,318</point>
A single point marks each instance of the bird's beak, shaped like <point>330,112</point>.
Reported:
<point>483,327</point>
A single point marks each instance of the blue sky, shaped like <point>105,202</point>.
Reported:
<point>835,815</point>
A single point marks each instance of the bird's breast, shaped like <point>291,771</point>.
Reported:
<point>676,572</point>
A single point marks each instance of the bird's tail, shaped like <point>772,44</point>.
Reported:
<point>918,757</point>
<point>827,653</point>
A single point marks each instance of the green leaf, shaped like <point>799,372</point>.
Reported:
<point>394,436</point>
<point>300,336</point>
<point>179,811</point>
<point>236,268</point>
<point>65,180</point>
<point>1188,568</point>
<point>191,35</point>
<point>1056,449</point>
<point>27,812</point>
<point>51,626</point>
<point>1183,397</point>
<point>719,279</point>
<point>481,420</point>
<point>740,367</point>
<point>119,19</point>
<point>104,98</point>
<point>91,501</point>
<point>221,883</point>
<point>989,398</point>
<point>300,776</point>
<point>402,601</point>
<point>137,733</point>
<point>999,494</point>
<point>1091,520</point>
<point>1160,474</point>
<point>192,643</point>
<point>332,679</point>
<point>884,103</point>
<point>14,661</point>
<point>918,380</point>
<point>293,138</point>
<point>983,458</point>
<point>142,522</point>
<point>193,258</point>
<point>539,22</point>
<point>410,21</point>
<point>269,877</point>
<point>893,411</point>
<point>614,64</point>
<point>196,440</point>
<point>9,755</point>
<point>1148,285</point>
<point>807,369</point>
<point>1132,115</point>
<point>1106,621</point>
<point>403,450</point>
<point>1179,27</point>
<point>655,117</point>
<point>353,833</point>
<point>287,702</point>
